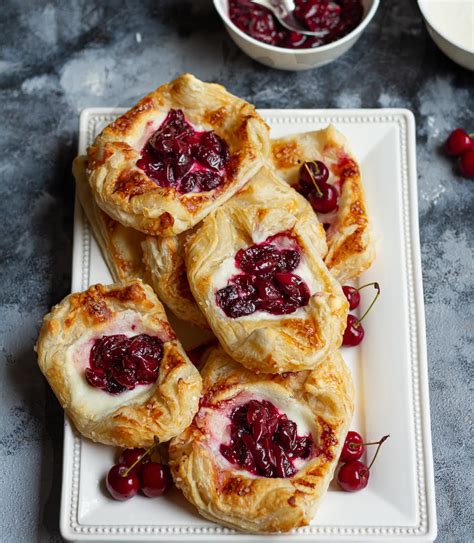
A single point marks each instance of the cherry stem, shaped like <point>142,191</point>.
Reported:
<point>318,190</point>
<point>377,287</point>
<point>354,445</point>
<point>367,285</point>
<point>156,442</point>
<point>471,135</point>
<point>381,442</point>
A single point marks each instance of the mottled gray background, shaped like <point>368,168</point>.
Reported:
<point>59,57</point>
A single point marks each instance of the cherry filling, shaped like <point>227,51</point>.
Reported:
<point>264,441</point>
<point>119,363</point>
<point>335,18</point>
<point>178,156</point>
<point>267,282</point>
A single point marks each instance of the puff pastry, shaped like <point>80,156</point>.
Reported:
<point>278,338</point>
<point>120,246</point>
<point>164,260</point>
<point>129,195</point>
<point>350,244</point>
<point>103,324</point>
<point>319,402</point>
<point>164,256</point>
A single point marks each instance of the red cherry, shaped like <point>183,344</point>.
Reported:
<point>466,163</point>
<point>326,200</point>
<point>122,486</point>
<point>458,142</point>
<point>130,456</point>
<point>156,479</point>
<point>313,172</point>
<point>353,447</point>
<point>354,332</point>
<point>353,296</point>
<point>353,476</point>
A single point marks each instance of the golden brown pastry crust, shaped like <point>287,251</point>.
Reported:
<point>266,188</point>
<point>164,260</point>
<point>350,244</point>
<point>120,245</point>
<point>133,418</point>
<point>265,343</point>
<point>164,256</point>
<point>126,193</point>
<point>259,504</point>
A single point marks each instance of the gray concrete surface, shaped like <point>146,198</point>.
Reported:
<point>59,57</point>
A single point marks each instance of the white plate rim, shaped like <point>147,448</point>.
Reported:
<point>426,528</point>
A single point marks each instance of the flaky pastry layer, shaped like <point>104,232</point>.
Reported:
<point>350,244</point>
<point>233,497</point>
<point>264,342</point>
<point>129,196</point>
<point>132,418</point>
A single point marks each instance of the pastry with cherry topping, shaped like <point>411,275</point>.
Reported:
<point>322,168</point>
<point>164,256</point>
<point>255,269</point>
<point>262,450</point>
<point>115,364</point>
<point>178,154</point>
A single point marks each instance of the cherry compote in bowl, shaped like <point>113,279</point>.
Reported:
<point>290,54</point>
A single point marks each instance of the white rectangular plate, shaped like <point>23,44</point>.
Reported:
<point>389,368</point>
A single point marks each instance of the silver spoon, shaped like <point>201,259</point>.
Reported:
<point>283,11</point>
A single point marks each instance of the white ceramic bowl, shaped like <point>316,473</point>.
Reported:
<point>295,59</point>
<point>459,53</point>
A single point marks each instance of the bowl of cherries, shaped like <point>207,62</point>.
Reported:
<point>254,28</point>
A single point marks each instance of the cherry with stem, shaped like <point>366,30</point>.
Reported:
<point>353,294</point>
<point>354,475</point>
<point>323,198</point>
<point>156,442</point>
<point>354,332</point>
<point>354,447</point>
<point>311,176</point>
<point>123,481</point>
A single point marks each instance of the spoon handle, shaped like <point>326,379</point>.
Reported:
<point>289,5</point>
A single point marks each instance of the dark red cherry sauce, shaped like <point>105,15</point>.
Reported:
<point>266,282</point>
<point>118,363</point>
<point>335,18</point>
<point>178,156</point>
<point>264,441</point>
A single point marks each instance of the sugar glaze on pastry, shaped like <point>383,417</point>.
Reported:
<point>315,406</point>
<point>296,337</point>
<point>117,367</point>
